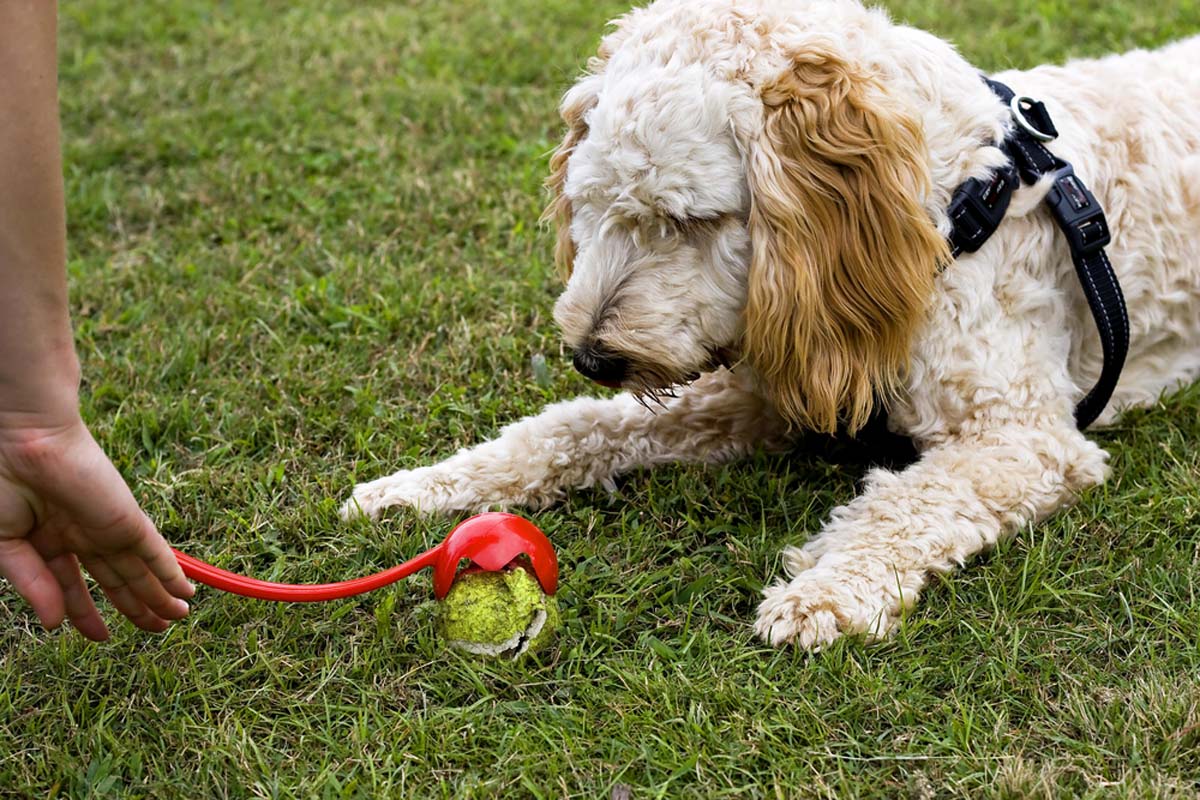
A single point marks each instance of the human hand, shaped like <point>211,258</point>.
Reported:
<point>63,503</point>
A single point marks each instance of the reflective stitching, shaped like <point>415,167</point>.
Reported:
<point>1113,327</point>
<point>1100,312</point>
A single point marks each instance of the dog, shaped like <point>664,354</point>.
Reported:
<point>751,208</point>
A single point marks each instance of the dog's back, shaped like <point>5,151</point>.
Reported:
<point>1130,124</point>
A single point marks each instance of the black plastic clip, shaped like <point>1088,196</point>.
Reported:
<point>978,207</point>
<point>1079,214</point>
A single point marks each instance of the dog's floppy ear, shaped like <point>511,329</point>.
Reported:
<point>580,99</point>
<point>844,254</point>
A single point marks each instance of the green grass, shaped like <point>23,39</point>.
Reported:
<point>304,253</point>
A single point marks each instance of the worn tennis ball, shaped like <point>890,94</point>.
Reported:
<point>498,614</point>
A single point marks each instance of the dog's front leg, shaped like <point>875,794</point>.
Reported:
<point>874,555</point>
<point>581,443</point>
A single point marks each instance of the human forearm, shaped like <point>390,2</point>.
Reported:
<point>38,369</point>
<point>62,502</point>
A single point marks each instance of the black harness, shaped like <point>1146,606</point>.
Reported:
<point>976,211</point>
<point>978,207</point>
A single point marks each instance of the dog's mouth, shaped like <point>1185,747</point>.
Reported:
<point>653,384</point>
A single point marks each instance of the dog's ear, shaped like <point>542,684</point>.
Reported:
<point>844,254</point>
<point>580,99</point>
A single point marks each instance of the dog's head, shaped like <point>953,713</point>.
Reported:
<point>737,184</point>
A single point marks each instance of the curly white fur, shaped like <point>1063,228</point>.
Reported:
<point>658,200</point>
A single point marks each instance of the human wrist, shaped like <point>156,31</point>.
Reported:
<point>39,384</point>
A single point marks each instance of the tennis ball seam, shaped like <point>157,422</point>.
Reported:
<point>516,644</point>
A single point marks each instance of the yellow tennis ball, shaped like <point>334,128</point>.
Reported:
<point>497,614</point>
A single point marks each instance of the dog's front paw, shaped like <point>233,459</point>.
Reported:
<point>410,488</point>
<point>819,605</point>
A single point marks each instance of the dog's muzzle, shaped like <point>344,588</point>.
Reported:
<point>604,367</point>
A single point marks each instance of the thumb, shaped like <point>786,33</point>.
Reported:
<point>24,568</point>
<point>19,509</point>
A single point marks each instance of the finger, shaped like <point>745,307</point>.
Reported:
<point>145,585</point>
<point>124,601</point>
<point>135,532</point>
<point>123,598</point>
<point>81,610</point>
<point>28,574</point>
<point>157,555</point>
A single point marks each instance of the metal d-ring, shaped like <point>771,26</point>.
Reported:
<point>1018,113</point>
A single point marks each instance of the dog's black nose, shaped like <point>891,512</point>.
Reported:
<point>601,366</point>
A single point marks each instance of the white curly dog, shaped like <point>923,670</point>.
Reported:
<point>751,202</point>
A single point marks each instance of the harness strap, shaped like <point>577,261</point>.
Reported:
<point>979,206</point>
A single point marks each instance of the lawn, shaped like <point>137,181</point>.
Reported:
<point>304,252</point>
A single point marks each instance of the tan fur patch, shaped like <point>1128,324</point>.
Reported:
<point>844,254</point>
<point>559,210</point>
<point>1191,185</point>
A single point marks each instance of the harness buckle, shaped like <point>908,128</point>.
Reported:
<point>1079,213</point>
<point>978,207</point>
